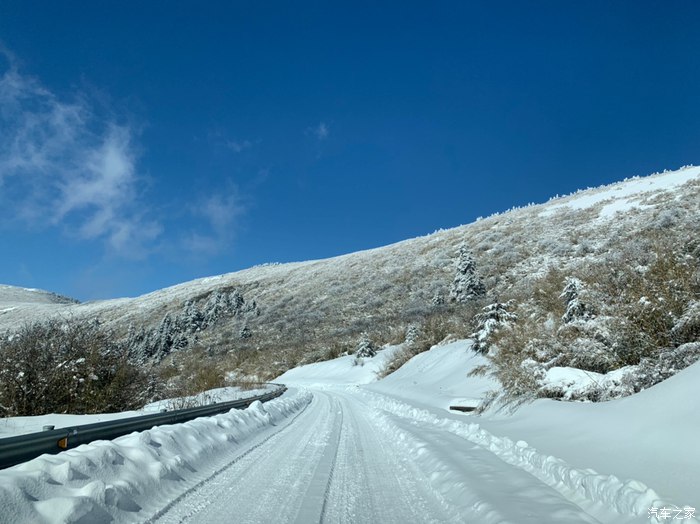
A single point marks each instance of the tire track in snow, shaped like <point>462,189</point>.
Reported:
<point>604,498</point>
<point>316,499</point>
<point>162,514</point>
<point>375,481</point>
<point>271,483</point>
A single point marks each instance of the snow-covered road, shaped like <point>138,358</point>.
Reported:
<point>340,446</point>
<point>342,459</point>
<point>330,463</point>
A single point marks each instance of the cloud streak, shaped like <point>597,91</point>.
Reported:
<point>238,146</point>
<point>62,165</point>
<point>220,213</point>
<point>320,131</point>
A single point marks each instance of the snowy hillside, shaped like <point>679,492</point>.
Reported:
<point>21,295</point>
<point>290,314</point>
<point>18,304</point>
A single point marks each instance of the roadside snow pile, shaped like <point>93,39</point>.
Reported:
<point>629,498</point>
<point>438,378</point>
<point>342,370</point>
<point>650,436</point>
<point>569,383</point>
<point>127,479</point>
<point>211,396</point>
<point>11,426</point>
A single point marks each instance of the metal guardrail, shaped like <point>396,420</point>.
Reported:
<point>15,450</point>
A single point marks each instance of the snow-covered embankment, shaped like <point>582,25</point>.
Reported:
<point>133,476</point>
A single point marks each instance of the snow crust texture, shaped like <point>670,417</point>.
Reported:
<point>629,498</point>
<point>125,479</point>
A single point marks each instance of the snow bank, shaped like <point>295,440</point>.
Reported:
<point>125,480</point>
<point>629,498</point>
<point>651,436</point>
<point>339,371</point>
<point>439,378</point>
<point>435,378</point>
<point>12,426</point>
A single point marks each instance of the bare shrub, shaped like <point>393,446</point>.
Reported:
<point>435,328</point>
<point>187,374</point>
<point>67,367</point>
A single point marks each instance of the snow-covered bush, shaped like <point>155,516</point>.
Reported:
<point>67,367</point>
<point>573,384</point>
<point>488,321</point>
<point>651,371</point>
<point>365,347</point>
<point>437,300</point>
<point>412,334</point>
<point>687,327</point>
<point>614,315</point>
<point>576,307</point>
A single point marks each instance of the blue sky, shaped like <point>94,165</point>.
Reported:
<point>143,144</point>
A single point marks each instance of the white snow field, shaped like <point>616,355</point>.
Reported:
<point>340,446</point>
<point>623,196</point>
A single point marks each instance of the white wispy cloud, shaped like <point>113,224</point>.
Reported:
<point>220,212</point>
<point>320,131</point>
<point>238,146</point>
<point>63,165</point>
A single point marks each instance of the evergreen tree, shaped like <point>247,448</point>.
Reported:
<point>576,308</point>
<point>412,333</point>
<point>179,330</point>
<point>235,302</point>
<point>365,347</point>
<point>192,316</point>
<point>491,319</point>
<point>467,284</point>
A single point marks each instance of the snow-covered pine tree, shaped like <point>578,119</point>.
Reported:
<point>488,321</point>
<point>213,308</point>
<point>179,330</point>
<point>192,317</point>
<point>467,284</point>
<point>365,347</point>
<point>576,308</point>
<point>412,333</point>
<point>235,302</point>
<point>251,308</point>
<point>163,343</point>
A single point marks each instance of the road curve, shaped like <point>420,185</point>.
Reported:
<point>341,460</point>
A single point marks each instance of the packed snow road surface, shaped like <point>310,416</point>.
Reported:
<point>330,463</point>
<point>345,447</point>
<point>343,460</point>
